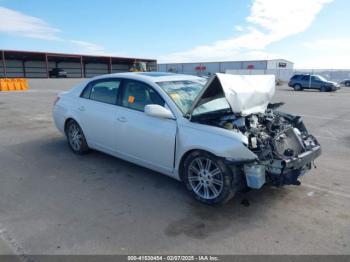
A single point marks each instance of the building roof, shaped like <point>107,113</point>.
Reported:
<point>39,55</point>
<point>231,61</point>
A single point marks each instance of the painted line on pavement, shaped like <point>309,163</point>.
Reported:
<point>332,192</point>
<point>325,118</point>
<point>14,245</point>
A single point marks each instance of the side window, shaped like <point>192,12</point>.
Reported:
<point>103,91</point>
<point>137,95</point>
<point>86,92</point>
<point>306,78</point>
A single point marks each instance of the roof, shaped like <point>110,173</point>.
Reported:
<point>281,59</point>
<point>156,74</point>
<point>151,76</point>
<point>228,61</point>
<point>63,55</point>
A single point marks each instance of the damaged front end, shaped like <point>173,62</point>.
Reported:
<point>284,148</point>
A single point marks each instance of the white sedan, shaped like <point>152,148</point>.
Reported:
<point>218,136</point>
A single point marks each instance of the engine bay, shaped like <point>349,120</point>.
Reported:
<point>275,137</point>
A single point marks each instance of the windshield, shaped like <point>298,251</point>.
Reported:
<point>183,92</point>
<point>215,105</point>
<point>322,78</point>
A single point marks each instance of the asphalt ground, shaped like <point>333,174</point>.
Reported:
<point>55,202</point>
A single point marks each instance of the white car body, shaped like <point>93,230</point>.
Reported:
<point>155,143</point>
<point>225,124</point>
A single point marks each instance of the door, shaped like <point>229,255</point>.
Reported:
<point>97,113</point>
<point>147,140</point>
<point>316,82</point>
<point>305,81</point>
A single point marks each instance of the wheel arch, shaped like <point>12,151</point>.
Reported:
<point>298,84</point>
<point>228,187</point>
<point>324,88</point>
<point>68,119</point>
<point>184,156</point>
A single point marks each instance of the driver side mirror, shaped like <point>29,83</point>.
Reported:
<point>158,111</point>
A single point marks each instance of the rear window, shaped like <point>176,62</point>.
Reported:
<point>295,77</point>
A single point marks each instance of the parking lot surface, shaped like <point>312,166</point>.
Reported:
<point>55,202</point>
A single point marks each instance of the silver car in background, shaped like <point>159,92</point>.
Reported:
<point>218,136</point>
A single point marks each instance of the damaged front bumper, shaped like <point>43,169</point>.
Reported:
<point>280,172</point>
<point>281,150</point>
<point>304,158</point>
<point>288,171</point>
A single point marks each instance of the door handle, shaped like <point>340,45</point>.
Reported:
<point>81,108</point>
<point>122,119</point>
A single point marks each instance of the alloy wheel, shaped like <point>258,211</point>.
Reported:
<point>75,136</point>
<point>205,178</point>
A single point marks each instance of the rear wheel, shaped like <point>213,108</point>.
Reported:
<point>208,179</point>
<point>76,138</point>
<point>347,83</point>
<point>297,87</point>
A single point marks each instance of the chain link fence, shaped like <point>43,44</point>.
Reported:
<point>336,75</point>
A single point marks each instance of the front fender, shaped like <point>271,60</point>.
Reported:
<point>227,144</point>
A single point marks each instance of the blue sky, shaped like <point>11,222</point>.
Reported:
<point>311,33</point>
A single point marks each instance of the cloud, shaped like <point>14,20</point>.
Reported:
<point>239,28</point>
<point>335,53</point>
<point>89,48</point>
<point>342,43</point>
<point>17,23</point>
<point>269,21</point>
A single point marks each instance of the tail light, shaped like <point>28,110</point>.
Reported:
<point>56,100</point>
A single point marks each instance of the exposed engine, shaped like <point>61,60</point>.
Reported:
<point>270,135</point>
<point>276,138</point>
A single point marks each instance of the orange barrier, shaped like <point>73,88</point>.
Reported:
<point>3,85</point>
<point>13,84</point>
<point>10,85</point>
<point>24,84</point>
<point>17,84</point>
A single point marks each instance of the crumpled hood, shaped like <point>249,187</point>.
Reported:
<point>246,94</point>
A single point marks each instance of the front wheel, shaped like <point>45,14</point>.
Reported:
<point>208,179</point>
<point>76,138</point>
<point>323,89</point>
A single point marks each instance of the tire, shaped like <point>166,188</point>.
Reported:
<point>208,179</point>
<point>323,89</point>
<point>347,83</point>
<point>76,139</point>
<point>297,87</point>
